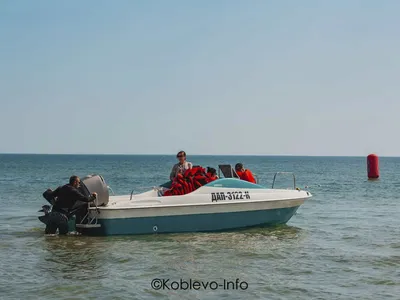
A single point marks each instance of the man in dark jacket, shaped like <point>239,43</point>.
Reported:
<point>65,198</point>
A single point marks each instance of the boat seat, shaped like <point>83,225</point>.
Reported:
<point>228,171</point>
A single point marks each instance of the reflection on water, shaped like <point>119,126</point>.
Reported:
<point>72,266</point>
<point>60,262</point>
<point>74,257</point>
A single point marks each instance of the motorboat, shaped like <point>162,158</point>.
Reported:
<point>227,203</point>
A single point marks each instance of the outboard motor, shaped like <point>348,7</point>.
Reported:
<point>95,184</point>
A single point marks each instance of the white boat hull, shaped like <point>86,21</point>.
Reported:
<point>224,204</point>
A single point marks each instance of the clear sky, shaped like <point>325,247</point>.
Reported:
<point>209,77</point>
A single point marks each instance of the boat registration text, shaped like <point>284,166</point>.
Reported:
<point>221,196</point>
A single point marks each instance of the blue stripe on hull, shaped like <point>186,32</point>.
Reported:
<point>193,223</point>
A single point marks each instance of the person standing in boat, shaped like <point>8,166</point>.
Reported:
<point>181,166</point>
<point>244,174</point>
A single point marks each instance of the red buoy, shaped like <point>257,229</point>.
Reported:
<point>373,166</point>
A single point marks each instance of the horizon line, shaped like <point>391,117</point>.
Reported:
<point>166,154</point>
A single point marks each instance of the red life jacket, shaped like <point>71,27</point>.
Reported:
<point>191,180</point>
<point>246,175</point>
<point>212,177</point>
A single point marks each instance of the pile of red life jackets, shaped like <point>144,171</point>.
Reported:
<point>190,181</point>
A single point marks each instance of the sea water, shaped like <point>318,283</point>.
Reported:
<point>344,243</point>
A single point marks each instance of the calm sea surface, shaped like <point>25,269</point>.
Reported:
<point>344,243</point>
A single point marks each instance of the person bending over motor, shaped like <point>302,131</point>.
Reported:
<point>244,174</point>
<point>181,166</point>
<point>63,199</point>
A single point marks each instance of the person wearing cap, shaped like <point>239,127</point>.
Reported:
<point>63,200</point>
<point>181,166</point>
<point>244,174</point>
